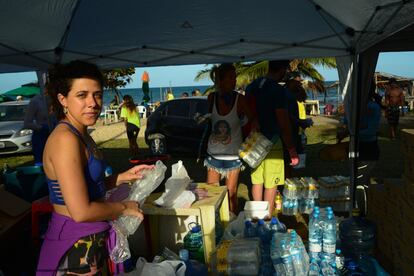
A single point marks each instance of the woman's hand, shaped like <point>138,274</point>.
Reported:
<point>132,209</point>
<point>134,173</point>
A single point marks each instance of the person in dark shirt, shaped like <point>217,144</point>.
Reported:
<point>270,104</point>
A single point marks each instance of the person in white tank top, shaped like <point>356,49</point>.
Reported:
<point>227,109</point>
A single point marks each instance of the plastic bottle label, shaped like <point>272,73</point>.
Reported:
<point>315,247</point>
<point>329,248</point>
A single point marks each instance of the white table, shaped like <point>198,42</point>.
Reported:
<point>111,115</point>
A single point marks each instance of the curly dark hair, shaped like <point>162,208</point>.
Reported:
<point>61,77</point>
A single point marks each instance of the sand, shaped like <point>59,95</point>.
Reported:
<point>101,132</point>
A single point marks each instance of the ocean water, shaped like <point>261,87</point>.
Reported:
<point>158,94</point>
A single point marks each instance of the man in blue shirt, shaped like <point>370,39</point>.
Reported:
<point>273,121</point>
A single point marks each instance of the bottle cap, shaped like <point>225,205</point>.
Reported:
<point>196,229</point>
<point>184,254</point>
<point>273,221</point>
<point>261,222</point>
<point>338,251</point>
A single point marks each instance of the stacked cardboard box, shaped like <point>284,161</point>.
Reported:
<point>391,207</point>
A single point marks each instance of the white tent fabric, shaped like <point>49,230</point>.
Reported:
<point>35,34</point>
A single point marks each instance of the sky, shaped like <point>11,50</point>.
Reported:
<point>397,63</point>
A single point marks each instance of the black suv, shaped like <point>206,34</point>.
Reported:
<point>172,126</point>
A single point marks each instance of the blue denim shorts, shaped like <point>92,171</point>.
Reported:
<point>222,166</point>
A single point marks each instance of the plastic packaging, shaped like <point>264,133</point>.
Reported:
<point>127,225</point>
<point>244,257</point>
<point>193,267</point>
<point>249,229</point>
<point>174,187</point>
<point>254,149</point>
<point>313,268</point>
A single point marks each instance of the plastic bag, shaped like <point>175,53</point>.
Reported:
<point>235,228</point>
<point>165,268</point>
<point>127,225</point>
<point>140,190</point>
<point>254,149</point>
<point>175,185</point>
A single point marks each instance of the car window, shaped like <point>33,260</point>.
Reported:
<point>200,107</point>
<point>177,109</point>
<point>12,112</point>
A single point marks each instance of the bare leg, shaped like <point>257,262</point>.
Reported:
<point>257,191</point>
<point>269,196</point>
<point>392,131</point>
<point>213,177</point>
<point>135,146</point>
<point>131,146</point>
<point>231,183</point>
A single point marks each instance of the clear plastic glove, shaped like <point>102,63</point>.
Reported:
<point>294,157</point>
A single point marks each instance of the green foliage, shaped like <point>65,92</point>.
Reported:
<point>117,78</point>
<point>247,72</point>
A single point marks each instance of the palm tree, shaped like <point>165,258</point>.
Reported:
<point>247,72</point>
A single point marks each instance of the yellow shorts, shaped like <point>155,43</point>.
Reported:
<point>271,172</point>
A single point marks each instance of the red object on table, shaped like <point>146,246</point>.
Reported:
<point>149,159</point>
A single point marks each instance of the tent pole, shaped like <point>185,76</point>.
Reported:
<point>41,78</point>
<point>354,138</point>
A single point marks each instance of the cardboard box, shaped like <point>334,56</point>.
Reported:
<point>409,166</point>
<point>407,141</point>
<point>409,188</point>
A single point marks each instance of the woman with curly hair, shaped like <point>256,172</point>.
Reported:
<point>79,236</point>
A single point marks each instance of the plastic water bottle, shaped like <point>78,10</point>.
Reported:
<point>249,229</point>
<point>108,171</point>
<point>357,236</point>
<point>193,242</point>
<point>287,259</point>
<point>326,268</point>
<point>313,268</point>
<point>276,226</point>
<point>298,266</point>
<point>315,236</point>
<point>278,203</point>
<point>263,232</point>
<point>339,260</point>
<point>329,234</point>
<point>192,266</point>
<point>353,269</point>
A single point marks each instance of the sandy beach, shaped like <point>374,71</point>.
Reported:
<point>104,132</point>
<point>101,132</point>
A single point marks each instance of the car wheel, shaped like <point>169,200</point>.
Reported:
<point>158,146</point>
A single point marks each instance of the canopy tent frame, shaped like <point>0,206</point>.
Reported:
<point>353,31</point>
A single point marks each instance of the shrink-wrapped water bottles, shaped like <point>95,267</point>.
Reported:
<point>254,149</point>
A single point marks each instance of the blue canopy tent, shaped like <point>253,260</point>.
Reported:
<point>45,32</point>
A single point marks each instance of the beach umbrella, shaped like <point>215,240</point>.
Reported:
<point>145,87</point>
<point>25,91</point>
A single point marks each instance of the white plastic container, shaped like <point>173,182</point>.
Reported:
<point>256,209</point>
